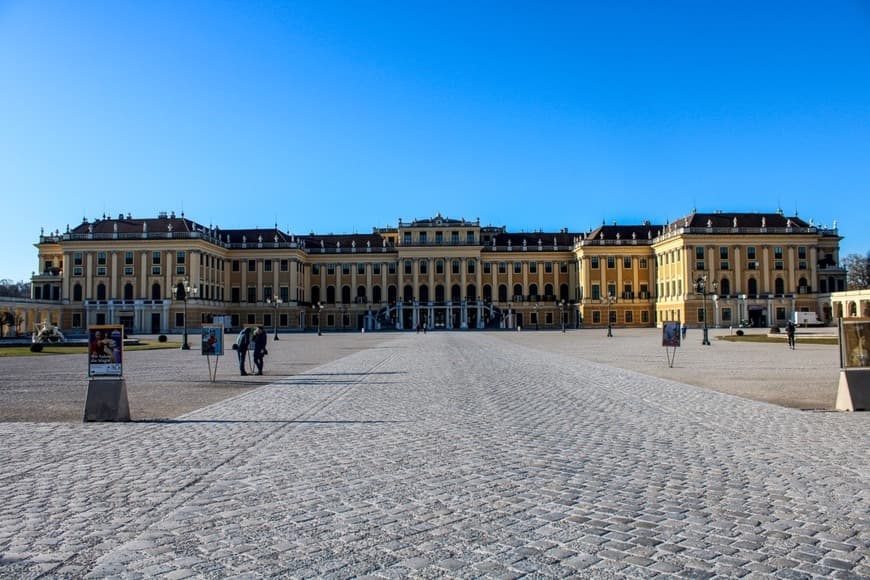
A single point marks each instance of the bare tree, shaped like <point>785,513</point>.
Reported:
<point>14,289</point>
<point>857,271</point>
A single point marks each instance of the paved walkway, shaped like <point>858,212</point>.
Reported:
<point>445,455</point>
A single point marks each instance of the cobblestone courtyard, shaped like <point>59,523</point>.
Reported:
<point>460,454</point>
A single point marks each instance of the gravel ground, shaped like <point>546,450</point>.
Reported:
<point>168,383</point>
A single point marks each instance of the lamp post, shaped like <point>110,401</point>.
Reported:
<point>536,316</point>
<point>610,300</point>
<point>319,318</point>
<point>275,303</point>
<point>562,314</point>
<point>743,314</point>
<point>183,290</point>
<point>343,314</point>
<point>702,285</point>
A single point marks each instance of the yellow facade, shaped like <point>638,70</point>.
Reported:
<point>438,273</point>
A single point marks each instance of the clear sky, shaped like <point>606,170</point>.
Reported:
<point>336,117</point>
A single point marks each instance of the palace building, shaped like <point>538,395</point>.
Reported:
<point>728,268</point>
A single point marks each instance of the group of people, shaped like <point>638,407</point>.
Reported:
<point>251,337</point>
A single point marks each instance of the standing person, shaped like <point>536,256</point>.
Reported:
<point>685,328</point>
<point>789,330</point>
<point>260,338</point>
<point>242,343</point>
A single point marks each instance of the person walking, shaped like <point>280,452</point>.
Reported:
<point>260,338</point>
<point>685,328</point>
<point>790,330</point>
<point>243,341</point>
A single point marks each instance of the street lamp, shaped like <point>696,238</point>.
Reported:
<point>702,289</point>
<point>562,314</point>
<point>610,300</point>
<point>183,290</point>
<point>275,303</point>
<point>536,316</point>
<point>319,318</point>
<point>343,314</point>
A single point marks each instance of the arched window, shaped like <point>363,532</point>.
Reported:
<point>779,286</point>
<point>487,293</point>
<point>563,292</point>
<point>533,291</point>
<point>408,293</point>
<point>156,293</point>
<point>391,294</point>
<point>330,294</point>
<point>360,293</point>
<point>455,293</point>
<point>802,286</point>
<point>101,291</point>
<point>752,286</point>
<point>128,291</point>
<point>345,294</point>
<point>77,293</point>
<point>439,293</point>
<point>502,293</point>
<point>315,294</point>
<point>424,293</point>
<point>376,294</point>
<point>548,291</point>
<point>471,292</point>
<point>725,287</point>
<point>518,291</point>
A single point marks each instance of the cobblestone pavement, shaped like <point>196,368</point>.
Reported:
<point>458,455</point>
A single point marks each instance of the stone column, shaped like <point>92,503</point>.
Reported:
<point>738,268</point>
<point>144,271</point>
<point>791,285</point>
<point>765,271</point>
<point>113,281</point>
<point>415,277</point>
<point>463,271</point>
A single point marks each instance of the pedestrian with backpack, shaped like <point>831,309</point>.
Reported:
<point>243,341</point>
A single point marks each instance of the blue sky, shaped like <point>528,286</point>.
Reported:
<point>336,117</point>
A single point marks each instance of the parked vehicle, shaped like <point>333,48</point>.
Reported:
<point>806,319</point>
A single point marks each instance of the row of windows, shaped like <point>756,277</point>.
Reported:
<point>675,287</point>
<point>422,238</point>
<point>628,316</point>
<point>268,265</point>
<point>595,263</point>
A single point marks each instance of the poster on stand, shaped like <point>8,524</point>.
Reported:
<point>105,350</point>
<point>213,340</point>
<point>855,342</point>
<point>671,334</point>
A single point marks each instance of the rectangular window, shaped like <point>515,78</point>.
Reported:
<point>612,317</point>
<point>361,269</point>
<point>267,293</point>
<point>518,268</point>
<point>345,269</point>
<point>454,267</point>
<point>611,262</point>
<point>439,238</point>
<point>470,266</point>
<point>777,253</point>
<point>723,252</point>
<point>179,257</point>
<point>802,253</point>
<point>596,292</point>
<point>487,267</point>
<point>252,319</point>
<point>644,264</point>
<point>424,266</point>
<point>101,258</point>
<point>407,238</point>
<point>128,258</point>
<point>267,265</point>
<point>267,320</point>
<point>376,269</point>
<point>596,317</point>
<point>155,270</point>
<point>235,295</point>
<point>407,269</point>
<point>699,265</point>
<point>77,259</point>
<point>252,293</point>
<point>285,265</point>
<point>423,240</point>
<point>391,268</point>
<point>454,238</point>
<point>802,265</point>
<point>563,267</point>
<point>726,315</point>
<point>234,320</point>
<point>236,266</point>
<point>285,293</point>
<point>780,313</point>
<point>777,265</point>
<point>252,265</point>
<point>179,269</point>
<point>76,320</point>
<point>330,269</point>
<point>179,319</point>
<point>611,289</point>
<point>594,264</point>
<point>283,320</point>
<point>469,238</point>
<point>548,267</point>
<point>699,252</point>
<point>644,316</point>
<point>502,267</point>
<point>128,270</point>
<point>629,317</point>
<point>750,252</point>
<point>533,267</point>
<point>101,270</point>
<point>626,263</point>
<point>723,265</point>
<point>701,315</point>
